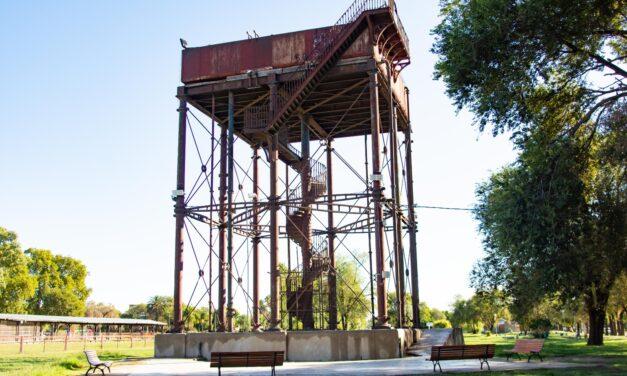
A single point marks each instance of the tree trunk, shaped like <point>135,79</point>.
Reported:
<point>596,306</point>
<point>620,323</point>
<point>612,325</point>
<point>578,329</point>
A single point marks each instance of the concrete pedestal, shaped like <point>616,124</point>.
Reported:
<point>300,346</point>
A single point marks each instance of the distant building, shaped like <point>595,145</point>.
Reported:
<point>36,325</point>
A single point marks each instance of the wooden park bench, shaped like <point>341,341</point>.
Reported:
<point>459,352</point>
<point>527,347</point>
<point>247,359</point>
<point>95,363</point>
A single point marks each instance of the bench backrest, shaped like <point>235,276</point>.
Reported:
<point>528,345</point>
<point>92,357</point>
<point>462,352</point>
<point>247,359</point>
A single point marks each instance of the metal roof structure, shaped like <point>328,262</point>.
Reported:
<point>76,320</point>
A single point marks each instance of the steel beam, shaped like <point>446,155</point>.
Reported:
<point>331,277</point>
<point>375,124</point>
<point>275,321</point>
<point>255,322</point>
<point>396,223</point>
<point>222,231</point>
<point>229,226</point>
<point>412,227</point>
<point>179,212</point>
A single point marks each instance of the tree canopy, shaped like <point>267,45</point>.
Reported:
<point>16,284</point>
<point>516,63</point>
<point>551,72</point>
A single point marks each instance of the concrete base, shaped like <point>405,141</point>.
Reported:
<point>300,346</point>
<point>200,345</point>
<point>335,345</point>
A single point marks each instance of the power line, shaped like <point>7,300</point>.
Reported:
<point>440,207</point>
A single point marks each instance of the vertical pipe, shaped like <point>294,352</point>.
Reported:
<point>308,195</point>
<point>373,322</point>
<point>396,220</point>
<point>332,278</point>
<point>274,237</point>
<point>212,201</point>
<point>229,226</point>
<point>375,124</point>
<point>287,239</point>
<point>412,228</point>
<point>179,212</point>
<point>255,239</point>
<point>222,233</point>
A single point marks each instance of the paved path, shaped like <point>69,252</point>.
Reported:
<point>428,338</point>
<point>388,367</point>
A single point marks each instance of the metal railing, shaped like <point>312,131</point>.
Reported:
<point>324,43</point>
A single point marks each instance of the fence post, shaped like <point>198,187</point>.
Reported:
<point>21,344</point>
<point>65,342</point>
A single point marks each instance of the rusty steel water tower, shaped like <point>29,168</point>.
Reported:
<point>274,99</point>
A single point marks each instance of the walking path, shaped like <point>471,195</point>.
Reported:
<point>388,367</point>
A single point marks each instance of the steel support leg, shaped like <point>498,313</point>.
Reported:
<point>398,244</point>
<point>179,212</point>
<point>375,123</point>
<point>274,237</point>
<point>256,240</point>
<point>229,226</point>
<point>332,278</point>
<point>412,228</point>
<point>222,232</point>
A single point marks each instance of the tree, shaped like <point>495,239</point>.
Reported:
<point>136,311</point>
<point>352,305</point>
<point>160,308</point>
<point>502,59</point>
<point>465,314</point>
<point>617,306</point>
<point>60,284</point>
<point>553,222</point>
<point>93,309</point>
<point>425,311</point>
<point>490,306</point>
<point>16,285</point>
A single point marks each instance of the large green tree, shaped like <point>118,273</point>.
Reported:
<point>16,284</point>
<point>554,224</point>
<point>60,284</point>
<point>552,72</point>
<point>503,59</point>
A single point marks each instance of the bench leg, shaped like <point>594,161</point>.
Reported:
<point>436,363</point>
<point>219,370</point>
<point>87,373</point>
<point>273,371</point>
<point>486,363</point>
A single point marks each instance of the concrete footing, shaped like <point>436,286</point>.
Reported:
<point>300,346</point>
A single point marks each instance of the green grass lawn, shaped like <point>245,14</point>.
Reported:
<point>57,363</point>
<point>612,357</point>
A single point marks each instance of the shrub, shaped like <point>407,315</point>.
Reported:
<point>442,323</point>
<point>540,327</point>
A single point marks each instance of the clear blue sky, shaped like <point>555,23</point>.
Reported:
<point>88,134</point>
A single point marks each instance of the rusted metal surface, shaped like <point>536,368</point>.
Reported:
<point>332,278</point>
<point>382,304</point>
<point>412,228</point>
<point>275,300</point>
<point>276,51</point>
<point>179,212</point>
<point>256,324</point>
<point>222,231</point>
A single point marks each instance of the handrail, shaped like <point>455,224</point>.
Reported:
<point>322,46</point>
